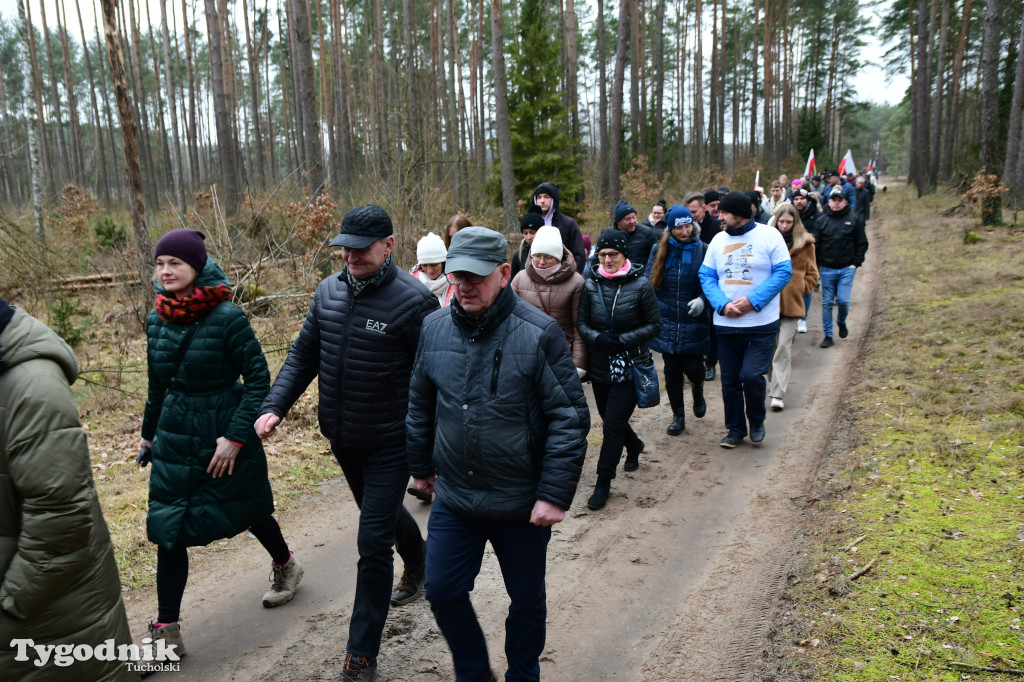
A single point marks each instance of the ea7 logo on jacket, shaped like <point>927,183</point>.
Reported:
<point>375,326</point>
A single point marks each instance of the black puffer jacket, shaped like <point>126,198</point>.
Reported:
<point>497,410</point>
<point>840,239</point>
<point>363,351</point>
<point>632,303</point>
<point>567,227</point>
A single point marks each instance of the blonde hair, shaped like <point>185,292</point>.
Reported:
<point>800,236</point>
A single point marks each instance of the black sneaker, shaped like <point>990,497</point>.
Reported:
<point>757,433</point>
<point>827,342</point>
<point>633,457</point>
<point>358,669</point>
<point>731,440</point>
<point>677,426</point>
<point>843,331</point>
<point>600,497</point>
<point>419,494</point>
<point>409,587</point>
<point>700,407</point>
<point>709,373</point>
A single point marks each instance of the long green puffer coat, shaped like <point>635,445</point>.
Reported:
<point>58,577</point>
<point>192,405</point>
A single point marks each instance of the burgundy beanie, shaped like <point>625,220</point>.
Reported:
<point>183,243</point>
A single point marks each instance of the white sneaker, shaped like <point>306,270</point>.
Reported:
<point>777,404</point>
<point>801,326</point>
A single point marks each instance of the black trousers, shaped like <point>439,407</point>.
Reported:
<point>676,367</point>
<point>615,403</point>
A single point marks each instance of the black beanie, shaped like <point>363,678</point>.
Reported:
<point>185,244</point>
<point>622,209</point>
<point>613,239</point>
<point>736,203</point>
<point>533,220</point>
<point>711,195</point>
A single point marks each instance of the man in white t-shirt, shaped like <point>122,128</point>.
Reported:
<point>744,269</point>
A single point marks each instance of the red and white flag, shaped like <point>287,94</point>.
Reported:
<point>847,165</point>
<point>809,171</point>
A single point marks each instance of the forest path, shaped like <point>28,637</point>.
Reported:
<point>674,580</point>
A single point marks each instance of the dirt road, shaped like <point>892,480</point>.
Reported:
<point>674,580</point>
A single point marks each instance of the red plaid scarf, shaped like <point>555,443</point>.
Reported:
<point>187,310</point>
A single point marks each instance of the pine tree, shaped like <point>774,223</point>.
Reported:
<point>543,149</point>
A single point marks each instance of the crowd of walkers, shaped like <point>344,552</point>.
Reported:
<point>465,374</point>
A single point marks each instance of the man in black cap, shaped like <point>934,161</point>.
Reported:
<point>497,428</point>
<point>641,238</point>
<point>833,179</point>
<point>360,338</point>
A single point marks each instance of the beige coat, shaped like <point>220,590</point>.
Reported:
<point>559,297</point>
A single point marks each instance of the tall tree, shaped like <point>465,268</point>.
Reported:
<point>104,180</point>
<point>1014,131</point>
<point>602,116</point>
<point>659,90</point>
<point>501,118</point>
<point>990,213</point>
<point>307,83</point>
<point>615,133</point>
<point>62,144</point>
<point>25,28</point>
<point>176,165</point>
<point>227,150</point>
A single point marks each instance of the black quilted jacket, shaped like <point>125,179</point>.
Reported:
<point>362,349</point>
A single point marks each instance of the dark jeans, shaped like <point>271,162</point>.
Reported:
<point>676,366</point>
<point>711,359</point>
<point>172,567</point>
<point>615,403</point>
<point>744,359</point>
<point>378,479</point>
<point>454,553</point>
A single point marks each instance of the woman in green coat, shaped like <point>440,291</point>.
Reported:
<point>209,477</point>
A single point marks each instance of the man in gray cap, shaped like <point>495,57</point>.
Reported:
<point>360,338</point>
<point>497,428</point>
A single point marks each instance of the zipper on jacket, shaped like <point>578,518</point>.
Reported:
<point>494,372</point>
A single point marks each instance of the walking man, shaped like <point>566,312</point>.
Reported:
<point>546,197</point>
<point>360,338</point>
<point>744,269</point>
<point>497,428</point>
<point>640,237</point>
<point>840,243</point>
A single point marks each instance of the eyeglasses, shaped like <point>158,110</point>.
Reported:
<point>458,278</point>
<point>609,255</point>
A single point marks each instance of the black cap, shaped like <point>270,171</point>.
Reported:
<point>363,226</point>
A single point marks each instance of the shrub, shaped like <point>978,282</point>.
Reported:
<point>62,314</point>
<point>110,234</point>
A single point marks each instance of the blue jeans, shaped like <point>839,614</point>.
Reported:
<point>808,298</point>
<point>378,479</point>
<point>454,553</point>
<point>835,289</point>
<point>744,359</point>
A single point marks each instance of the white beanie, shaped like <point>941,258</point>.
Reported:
<point>431,249</point>
<point>548,241</point>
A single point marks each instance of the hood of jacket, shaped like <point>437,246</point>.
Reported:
<point>566,269</point>
<point>26,338</point>
<point>211,276</point>
<point>552,191</point>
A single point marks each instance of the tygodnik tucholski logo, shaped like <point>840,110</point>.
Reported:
<point>145,658</point>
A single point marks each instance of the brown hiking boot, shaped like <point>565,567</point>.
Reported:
<point>358,669</point>
<point>283,582</point>
<point>409,587</point>
<point>171,634</point>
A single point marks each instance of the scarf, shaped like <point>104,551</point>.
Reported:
<point>620,273</point>
<point>547,273</point>
<point>680,253</point>
<point>357,286</point>
<point>788,236</point>
<point>438,287</point>
<point>188,309</point>
<point>741,230</point>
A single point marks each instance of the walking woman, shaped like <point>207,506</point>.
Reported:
<point>209,477</point>
<point>550,282</point>
<point>683,341</point>
<point>618,317</point>
<point>791,300</point>
<point>431,255</point>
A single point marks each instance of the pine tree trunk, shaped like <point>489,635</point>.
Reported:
<point>49,164</point>
<point>193,131</point>
<point>77,158</point>
<point>36,172</point>
<point>571,76</point>
<point>104,179</point>
<point>502,124</point>
<point>659,90</point>
<point>922,109</point>
<point>939,97</point>
<point>254,99</point>
<point>229,192</point>
<point>116,180</point>
<point>1013,137</point>
<point>698,87</point>
<point>721,95</point>
<point>602,104</point>
<point>62,144</point>
<point>139,104</point>
<point>143,250</point>
<point>176,164</point>
<point>681,82</point>
<point>991,209</point>
<point>753,83</point>
<point>10,172</point>
<point>635,124</point>
<point>615,133</point>
<point>307,83</point>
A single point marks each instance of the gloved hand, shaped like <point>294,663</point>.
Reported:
<point>610,343</point>
<point>145,456</point>
<point>581,372</point>
<point>696,306</point>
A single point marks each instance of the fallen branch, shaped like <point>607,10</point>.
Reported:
<point>864,570</point>
<point>967,668</point>
<point>854,543</point>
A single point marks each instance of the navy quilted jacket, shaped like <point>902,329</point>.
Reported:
<point>681,334</point>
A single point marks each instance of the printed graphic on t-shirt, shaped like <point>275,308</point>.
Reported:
<point>737,265</point>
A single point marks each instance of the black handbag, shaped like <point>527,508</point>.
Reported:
<point>645,376</point>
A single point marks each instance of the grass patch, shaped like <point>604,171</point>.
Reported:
<point>936,477</point>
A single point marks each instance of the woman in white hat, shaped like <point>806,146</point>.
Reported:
<point>430,259</point>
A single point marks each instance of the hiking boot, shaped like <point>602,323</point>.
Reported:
<point>709,373</point>
<point>777,404</point>
<point>731,440</point>
<point>843,331</point>
<point>677,425</point>
<point>283,581</point>
<point>170,633</point>
<point>827,342</point>
<point>409,587</point>
<point>633,457</point>
<point>700,408</point>
<point>419,494</point>
<point>757,433</point>
<point>358,669</point>
<point>600,497</point>
<point>801,326</point>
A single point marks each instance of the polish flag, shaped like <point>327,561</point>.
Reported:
<point>847,165</point>
<point>809,171</point>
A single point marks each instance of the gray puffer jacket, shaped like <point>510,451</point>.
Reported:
<point>497,411</point>
<point>633,305</point>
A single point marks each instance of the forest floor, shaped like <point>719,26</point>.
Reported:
<point>677,578</point>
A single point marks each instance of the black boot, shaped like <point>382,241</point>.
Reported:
<point>633,456</point>
<point>600,497</point>
<point>700,407</point>
<point>677,425</point>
